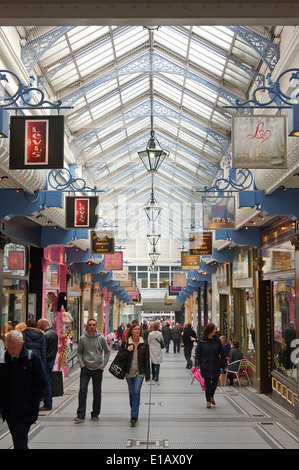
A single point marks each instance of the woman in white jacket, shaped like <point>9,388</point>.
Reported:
<point>155,342</point>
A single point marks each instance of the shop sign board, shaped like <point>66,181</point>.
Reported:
<point>259,141</point>
<point>80,212</point>
<point>189,262</point>
<point>36,142</point>
<point>113,261</point>
<point>218,212</point>
<point>200,243</point>
<point>101,242</point>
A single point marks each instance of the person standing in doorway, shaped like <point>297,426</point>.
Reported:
<point>93,356</point>
<point>210,356</point>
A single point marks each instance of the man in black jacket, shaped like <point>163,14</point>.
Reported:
<point>23,381</point>
<point>51,352</point>
<point>189,336</point>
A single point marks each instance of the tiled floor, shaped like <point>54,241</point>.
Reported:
<point>172,416</point>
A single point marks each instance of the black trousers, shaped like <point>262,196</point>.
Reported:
<point>187,354</point>
<point>19,431</point>
<point>211,385</point>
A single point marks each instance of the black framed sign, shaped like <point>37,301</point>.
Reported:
<point>36,142</point>
<point>80,212</point>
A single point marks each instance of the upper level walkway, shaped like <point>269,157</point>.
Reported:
<point>173,416</point>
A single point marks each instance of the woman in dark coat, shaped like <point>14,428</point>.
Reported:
<point>210,356</point>
<point>34,339</point>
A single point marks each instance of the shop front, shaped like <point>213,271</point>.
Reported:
<point>279,268</point>
<point>245,294</point>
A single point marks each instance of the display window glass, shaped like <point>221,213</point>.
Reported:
<point>284,326</point>
<point>14,300</point>
<point>250,321</point>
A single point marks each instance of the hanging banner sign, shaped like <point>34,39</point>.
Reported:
<point>36,142</point>
<point>179,280</point>
<point>218,212</point>
<point>189,262</point>
<point>101,242</point>
<point>81,212</point>
<point>200,243</point>
<point>259,141</point>
<point>113,261</point>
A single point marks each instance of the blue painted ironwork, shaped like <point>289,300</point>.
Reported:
<point>63,180</point>
<point>237,179</point>
<point>159,65</point>
<point>24,94</point>
<point>267,50</point>
<point>275,94</point>
<point>33,51</point>
<point>160,109</point>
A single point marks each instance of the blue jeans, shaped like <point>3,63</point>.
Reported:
<point>134,386</point>
<point>176,344</point>
<point>85,376</point>
<point>155,370</point>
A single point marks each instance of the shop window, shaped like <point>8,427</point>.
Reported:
<point>164,280</point>
<point>250,320</point>
<point>142,280</point>
<point>13,300</point>
<point>51,275</point>
<point>284,326</point>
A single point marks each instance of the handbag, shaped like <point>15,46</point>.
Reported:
<point>199,377</point>
<point>117,367</point>
<point>161,343</point>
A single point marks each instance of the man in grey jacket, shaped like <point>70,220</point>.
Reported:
<point>93,356</point>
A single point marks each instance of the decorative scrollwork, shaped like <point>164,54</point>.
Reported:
<point>24,93</point>
<point>239,180</point>
<point>62,180</point>
<point>274,92</point>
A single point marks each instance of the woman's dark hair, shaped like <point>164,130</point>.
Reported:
<point>235,343</point>
<point>208,329</point>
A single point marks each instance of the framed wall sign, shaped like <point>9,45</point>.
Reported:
<point>36,142</point>
<point>81,212</point>
<point>113,261</point>
<point>259,141</point>
<point>219,212</point>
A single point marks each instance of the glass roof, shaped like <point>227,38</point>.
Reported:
<point>106,75</point>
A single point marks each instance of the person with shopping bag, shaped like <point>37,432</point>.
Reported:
<point>136,353</point>
<point>210,357</point>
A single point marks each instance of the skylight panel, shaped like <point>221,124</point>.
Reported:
<point>170,39</point>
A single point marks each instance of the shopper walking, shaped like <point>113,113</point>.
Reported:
<point>189,336</point>
<point>51,352</point>
<point>176,337</point>
<point>166,332</point>
<point>155,342</point>
<point>136,352</point>
<point>35,339</point>
<point>93,355</point>
<point>23,381</point>
<point>210,356</point>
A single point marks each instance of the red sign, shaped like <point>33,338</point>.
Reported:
<point>81,212</point>
<point>15,260</point>
<point>36,142</point>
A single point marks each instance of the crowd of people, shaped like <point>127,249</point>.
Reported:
<point>28,352</point>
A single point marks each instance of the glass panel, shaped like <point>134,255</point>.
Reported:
<point>14,301</point>
<point>284,326</point>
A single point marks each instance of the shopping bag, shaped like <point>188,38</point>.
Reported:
<point>117,367</point>
<point>57,383</point>
<point>198,376</point>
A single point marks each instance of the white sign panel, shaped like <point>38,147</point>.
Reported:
<point>259,141</point>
